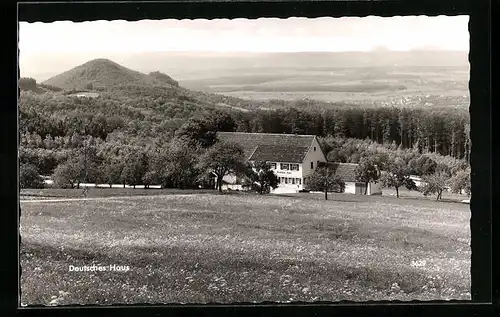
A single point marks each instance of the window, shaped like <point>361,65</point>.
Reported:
<point>312,165</point>
<point>294,167</point>
<point>293,181</point>
<point>314,149</point>
<point>299,181</point>
<point>284,166</point>
<point>286,180</point>
<point>273,165</point>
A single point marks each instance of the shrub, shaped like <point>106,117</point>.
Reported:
<point>29,177</point>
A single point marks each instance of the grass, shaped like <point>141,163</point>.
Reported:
<point>244,248</point>
<point>52,193</point>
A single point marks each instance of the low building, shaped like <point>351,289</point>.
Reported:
<point>347,172</point>
<point>292,157</point>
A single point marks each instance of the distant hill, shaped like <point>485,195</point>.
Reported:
<point>110,80</point>
<point>195,65</point>
<point>104,73</point>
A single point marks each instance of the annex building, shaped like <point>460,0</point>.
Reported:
<point>293,158</point>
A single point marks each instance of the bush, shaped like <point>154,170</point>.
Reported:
<point>460,182</point>
<point>67,174</point>
<point>29,177</point>
<point>434,184</point>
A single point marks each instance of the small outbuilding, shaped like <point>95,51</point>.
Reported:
<point>347,171</point>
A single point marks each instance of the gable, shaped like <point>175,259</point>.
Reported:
<point>315,152</point>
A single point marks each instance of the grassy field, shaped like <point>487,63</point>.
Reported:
<point>242,247</point>
<point>60,193</point>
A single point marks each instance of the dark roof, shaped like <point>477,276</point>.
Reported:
<point>346,171</point>
<point>270,146</point>
<point>279,153</point>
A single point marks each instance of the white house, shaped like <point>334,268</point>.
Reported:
<point>292,157</point>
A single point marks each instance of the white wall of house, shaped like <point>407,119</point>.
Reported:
<point>350,187</point>
<point>313,156</point>
<point>290,180</point>
<point>374,189</point>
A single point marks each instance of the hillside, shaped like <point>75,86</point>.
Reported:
<point>105,74</point>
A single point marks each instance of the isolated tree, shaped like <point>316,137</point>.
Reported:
<point>223,158</point>
<point>397,175</point>
<point>325,180</point>
<point>434,184</point>
<point>460,182</point>
<point>68,173</point>
<point>29,177</point>
<point>367,172</point>
<point>262,177</point>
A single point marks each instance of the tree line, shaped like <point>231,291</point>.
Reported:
<point>430,130</point>
<point>193,157</point>
<point>437,130</point>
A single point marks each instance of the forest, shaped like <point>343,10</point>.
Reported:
<point>139,134</point>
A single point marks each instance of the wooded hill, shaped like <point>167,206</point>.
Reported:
<point>133,111</point>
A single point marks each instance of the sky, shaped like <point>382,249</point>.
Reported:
<point>72,42</point>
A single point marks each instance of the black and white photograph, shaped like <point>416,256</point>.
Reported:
<point>278,160</point>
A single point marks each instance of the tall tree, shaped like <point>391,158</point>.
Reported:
<point>69,173</point>
<point>261,177</point>
<point>222,159</point>
<point>111,169</point>
<point>435,184</point>
<point>324,179</point>
<point>198,131</point>
<point>367,172</point>
<point>397,175</point>
<point>180,168</point>
<point>135,165</point>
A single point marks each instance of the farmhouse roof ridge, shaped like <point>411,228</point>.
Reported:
<point>278,147</point>
<point>263,133</point>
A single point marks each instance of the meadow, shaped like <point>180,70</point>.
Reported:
<point>208,247</point>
